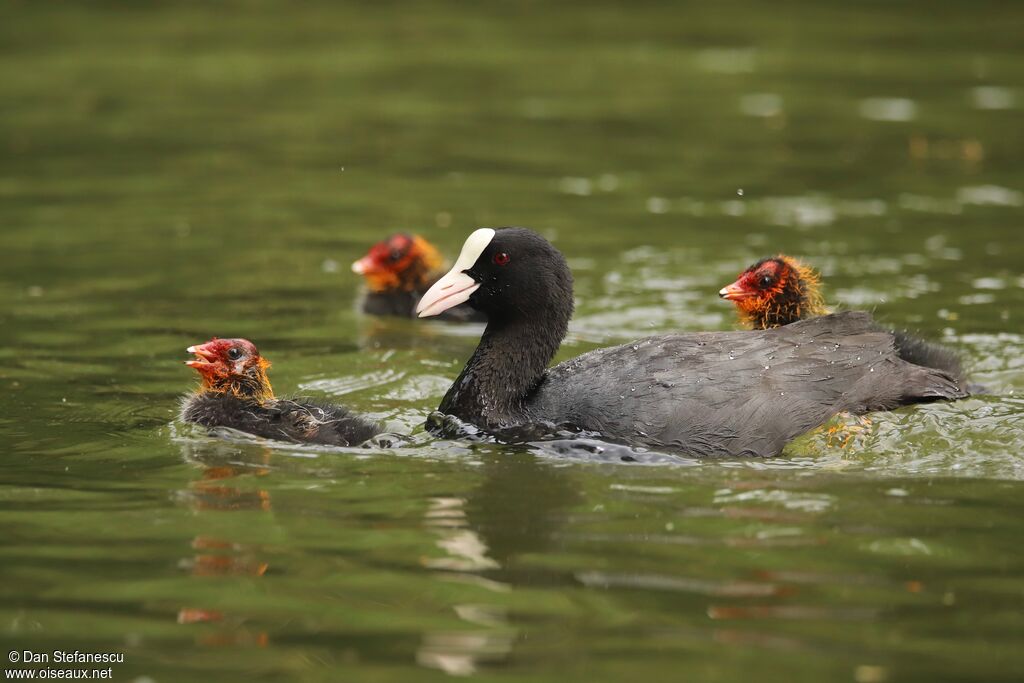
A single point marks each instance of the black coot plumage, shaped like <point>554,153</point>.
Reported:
<point>397,271</point>
<point>781,290</point>
<point>713,393</point>
<point>236,393</point>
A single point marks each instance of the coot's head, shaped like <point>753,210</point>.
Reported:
<point>510,274</point>
<point>775,291</point>
<point>231,366</point>
<point>400,262</point>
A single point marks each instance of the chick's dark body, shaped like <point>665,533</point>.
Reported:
<point>398,270</point>
<point>297,420</point>
<point>402,304</point>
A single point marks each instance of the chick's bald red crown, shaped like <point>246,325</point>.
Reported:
<point>231,365</point>
<point>400,262</point>
<point>227,352</point>
<point>775,291</point>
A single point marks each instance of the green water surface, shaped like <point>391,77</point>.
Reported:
<point>174,171</point>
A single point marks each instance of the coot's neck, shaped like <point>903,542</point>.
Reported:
<point>506,367</point>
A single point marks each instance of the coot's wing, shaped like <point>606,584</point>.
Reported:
<point>735,393</point>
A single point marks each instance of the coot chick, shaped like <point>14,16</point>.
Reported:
<point>235,392</point>
<point>397,271</point>
<point>781,290</point>
<point>710,393</point>
<point>774,292</point>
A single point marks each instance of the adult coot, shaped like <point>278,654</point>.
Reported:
<point>781,290</point>
<point>711,393</point>
<point>397,271</point>
<point>235,392</point>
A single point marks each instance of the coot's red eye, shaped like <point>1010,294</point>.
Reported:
<point>501,258</point>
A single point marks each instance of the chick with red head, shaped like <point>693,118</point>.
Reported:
<point>398,271</point>
<point>231,366</point>
<point>774,292</point>
<point>235,392</point>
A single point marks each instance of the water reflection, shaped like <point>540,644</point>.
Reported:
<point>482,547</point>
<point>461,653</point>
<point>217,490</point>
<point>520,506</point>
<point>993,97</point>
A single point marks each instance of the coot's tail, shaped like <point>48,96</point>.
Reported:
<point>926,354</point>
<point>923,385</point>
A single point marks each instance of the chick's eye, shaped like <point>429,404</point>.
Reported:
<point>501,258</point>
<point>234,353</point>
<point>395,255</point>
<point>766,281</point>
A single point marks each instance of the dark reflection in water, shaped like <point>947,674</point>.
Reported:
<point>516,510</point>
<point>519,507</point>
<point>218,558</point>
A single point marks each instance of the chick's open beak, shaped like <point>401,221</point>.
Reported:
<point>735,292</point>
<point>204,355</point>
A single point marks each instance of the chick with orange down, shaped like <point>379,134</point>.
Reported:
<point>397,271</point>
<point>780,290</point>
<point>776,291</point>
<point>235,392</point>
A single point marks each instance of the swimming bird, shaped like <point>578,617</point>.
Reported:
<point>708,393</point>
<point>781,290</point>
<point>397,271</point>
<point>235,392</point>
